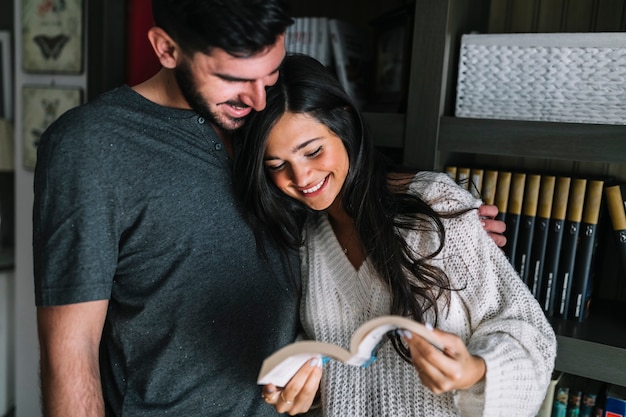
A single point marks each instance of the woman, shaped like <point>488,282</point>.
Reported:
<point>380,240</point>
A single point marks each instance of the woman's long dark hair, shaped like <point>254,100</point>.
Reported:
<point>379,211</point>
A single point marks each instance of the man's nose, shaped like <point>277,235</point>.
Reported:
<point>256,95</point>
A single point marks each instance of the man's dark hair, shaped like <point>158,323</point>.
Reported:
<point>239,27</point>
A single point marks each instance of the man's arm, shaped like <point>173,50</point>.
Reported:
<point>69,338</point>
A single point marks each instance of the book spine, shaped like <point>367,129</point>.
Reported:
<point>451,171</point>
<point>488,190</point>
<point>527,226</point>
<point>502,194</point>
<point>463,177</point>
<point>514,213</point>
<point>617,214</point>
<point>540,235</point>
<point>553,246</point>
<point>476,182</point>
<point>563,282</point>
<point>586,248</point>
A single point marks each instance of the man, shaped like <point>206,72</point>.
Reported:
<point>152,298</point>
<point>147,278</point>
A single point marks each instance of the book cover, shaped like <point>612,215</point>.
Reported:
<point>352,52</point>
<point>615,199</point>
<point>280,367</point>
<point>553,246</point>
<point>513,215</point>
<point>488,190</point>
<point>501,198</point>
<point>540,235</point>
<point>581,279</point>
<point>571,227</point>
<point>527,225</point>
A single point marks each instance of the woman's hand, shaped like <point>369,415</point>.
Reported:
<point>453,368</point>
<point>298,395</point>
<point>495,228</point>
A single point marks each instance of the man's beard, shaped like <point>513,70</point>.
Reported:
<point>195,100</point>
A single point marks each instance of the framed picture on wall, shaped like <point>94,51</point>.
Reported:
<point>42,105</point>
<point>6,83</point>
<point>52,36</point>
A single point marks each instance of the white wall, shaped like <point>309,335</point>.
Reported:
<point>26,345</point>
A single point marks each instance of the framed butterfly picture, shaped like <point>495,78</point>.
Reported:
<point>42,105</point>
<point>52,36</point>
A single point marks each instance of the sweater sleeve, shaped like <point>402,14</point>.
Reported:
<point>504,323</point>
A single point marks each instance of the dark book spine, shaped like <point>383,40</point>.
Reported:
<point>540,236</point>
<point>553,247</point>
<point>579,296</point>
<point>617,212</point>
<point>571,230</point>
<point>527,226</point>
<point>513,215</point>
<point>502,194</point>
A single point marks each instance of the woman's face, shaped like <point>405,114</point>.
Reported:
<point>306,160</point>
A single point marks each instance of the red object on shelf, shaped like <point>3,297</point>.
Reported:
<point>141,62</point>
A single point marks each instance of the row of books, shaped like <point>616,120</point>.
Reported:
<point>338,44</point>
<point>575,396</point>
<point>551,229</point>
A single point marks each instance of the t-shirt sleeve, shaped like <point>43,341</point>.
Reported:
<point>74,227</point>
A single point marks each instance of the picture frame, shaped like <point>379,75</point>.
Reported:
<point>52,36</point>
<point>393,38</point>
<point>6,76</point>
<point>42,105</point>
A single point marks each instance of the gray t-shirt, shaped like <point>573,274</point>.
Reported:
<point>134,204</point>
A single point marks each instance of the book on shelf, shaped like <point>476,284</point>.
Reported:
<point>353,56</point>
<point>571,227</point>
<point>615,403</point>
<point>527,226</point>
<point>501,198</point>
<point>463,177</point>
<point>488,188</point>
<point>587,243</point>
<point>476,182</point>
<point>540,235</point>
<point>281,366</point>
<point>559,405</point>
<point>616,203</point>
<point>553,245</point>
<point>514,213</point>
<point>451,171</point>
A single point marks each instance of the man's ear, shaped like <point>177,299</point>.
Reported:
<point>164,47</point>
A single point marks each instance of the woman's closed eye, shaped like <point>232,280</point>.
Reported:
<point>314,153</point>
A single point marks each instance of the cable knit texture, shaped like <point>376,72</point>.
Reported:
<point>494,313</point>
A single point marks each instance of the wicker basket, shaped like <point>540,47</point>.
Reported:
<point>574,77</point>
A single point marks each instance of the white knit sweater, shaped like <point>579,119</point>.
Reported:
<point>495,314</point>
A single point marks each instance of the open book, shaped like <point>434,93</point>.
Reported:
<point>279,367</point>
